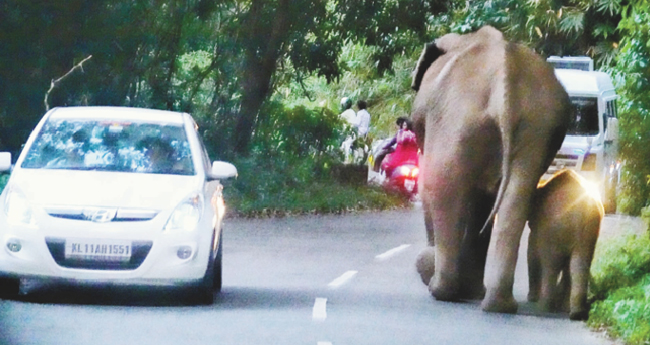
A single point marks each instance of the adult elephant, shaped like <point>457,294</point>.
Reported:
<point>490,116</point>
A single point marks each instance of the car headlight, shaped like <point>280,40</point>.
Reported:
<point>186,215</point>
<point>18,209</point>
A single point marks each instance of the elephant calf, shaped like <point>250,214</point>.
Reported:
<point>564,225</point>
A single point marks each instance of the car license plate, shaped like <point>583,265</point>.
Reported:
<point>409,185</point>
<point>98,250</point>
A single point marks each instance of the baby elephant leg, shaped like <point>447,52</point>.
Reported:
<point>579,310</point>
<point>534,270</point>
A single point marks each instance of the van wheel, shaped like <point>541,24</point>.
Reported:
<point>610,196</point>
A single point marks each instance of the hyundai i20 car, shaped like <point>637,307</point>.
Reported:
<point>114,195</point>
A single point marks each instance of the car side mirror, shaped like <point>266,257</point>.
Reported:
<point>612,129</point>
<point>222,170</point>
<point>5,161</point>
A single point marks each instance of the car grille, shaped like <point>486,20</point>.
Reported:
<point>91,213</point>
<point>563,161</point>
<point>140,251</point>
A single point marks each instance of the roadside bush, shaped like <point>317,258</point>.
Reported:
<point>293,168</point>
<point>283,185</point>
<point>632,78</point>
<point>619,263</point>
<point>625,313</point>
<point>620,289</point>
<point>298,131</point>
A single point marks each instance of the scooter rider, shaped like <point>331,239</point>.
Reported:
<point>390,147</point>
<point>406,149</point>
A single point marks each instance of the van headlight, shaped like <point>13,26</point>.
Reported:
<point>18,209</point>
<point>186,215</point>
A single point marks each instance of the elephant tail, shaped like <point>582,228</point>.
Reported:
<point>505,177</point>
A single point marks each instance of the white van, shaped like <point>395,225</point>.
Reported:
<point>591,143</point>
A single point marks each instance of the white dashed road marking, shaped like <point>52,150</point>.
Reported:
<point>323,343</point>
<point>342,279</point>
<point>387,255</point>
<point>320,309</point>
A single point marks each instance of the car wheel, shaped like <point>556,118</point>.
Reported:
<point>204,291</point>
<point>9,287</point>
<point>218,267</point>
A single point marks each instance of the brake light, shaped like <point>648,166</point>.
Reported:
<point>415,172</point>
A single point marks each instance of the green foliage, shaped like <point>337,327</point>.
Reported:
<point>633,80</point>
<point>625,313</point>
<point>582,27</point>
<point>620,287</point>
<point>621,262</point>
<point>388,96</point>
<point>298,131</point>
<point>287,185</point>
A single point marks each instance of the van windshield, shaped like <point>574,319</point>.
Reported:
<point>105,145</point>
<point>585,116</point>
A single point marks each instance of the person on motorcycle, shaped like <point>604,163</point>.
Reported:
<point>390,146</point>
<point>406,148</point>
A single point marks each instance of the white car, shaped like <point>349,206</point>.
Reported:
<point>114,195</point>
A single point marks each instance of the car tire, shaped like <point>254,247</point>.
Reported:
<point>218,267</point>
<point>9,288</point>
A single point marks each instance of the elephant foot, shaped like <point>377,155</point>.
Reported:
<point>426,264</point>
<point>533,296</point>
<point>499,304</point>
<point>579,315</point>
<point>443,291</point>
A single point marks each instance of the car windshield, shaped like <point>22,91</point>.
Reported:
<point>105,145</point>
<point>585,119</point>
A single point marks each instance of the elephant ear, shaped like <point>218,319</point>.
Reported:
<point>430,53</point>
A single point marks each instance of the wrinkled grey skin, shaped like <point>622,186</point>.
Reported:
<point>489,116</point>
<point>564,226</point>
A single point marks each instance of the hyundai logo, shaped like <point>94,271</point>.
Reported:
<point>100,215</point>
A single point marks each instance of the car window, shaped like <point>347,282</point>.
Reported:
<point>585,116</point>
<point>207,163</point>
<point>80,144</point>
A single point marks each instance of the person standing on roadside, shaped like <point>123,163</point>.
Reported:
<point>348,115</point>
<point>363,119</point>
<point>351,124</point>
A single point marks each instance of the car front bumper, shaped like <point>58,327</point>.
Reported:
<point>162,264</point>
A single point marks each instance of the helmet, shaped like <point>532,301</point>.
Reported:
<point>346,103</point>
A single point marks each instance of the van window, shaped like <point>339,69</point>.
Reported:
<point>585,116</point>
<point>611,108</point>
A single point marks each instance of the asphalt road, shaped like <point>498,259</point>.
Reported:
<point>307,280</point>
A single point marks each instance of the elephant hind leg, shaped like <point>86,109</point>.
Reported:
<point>474,248</point>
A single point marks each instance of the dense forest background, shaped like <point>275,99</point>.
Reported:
<point>263,78</point>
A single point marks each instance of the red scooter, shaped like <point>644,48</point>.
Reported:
<point>404,179</point>
<point>402,175</point>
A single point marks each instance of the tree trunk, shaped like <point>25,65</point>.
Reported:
<point>261,57</point>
